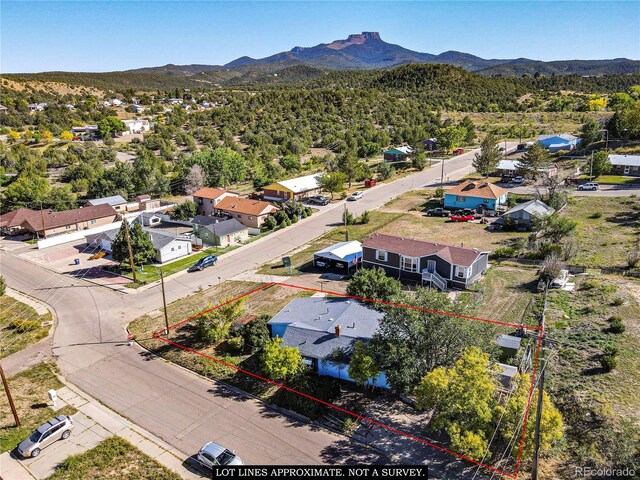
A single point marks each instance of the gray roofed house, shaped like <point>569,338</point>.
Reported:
<point>317,326</point>
<point>167,246</point>
<point>116,201</point>
<point>625,165</point>
<point>221,233</point>
<point>523,214</point>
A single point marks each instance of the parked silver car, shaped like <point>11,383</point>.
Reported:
<point>213,454</point>
<point>55,429</point>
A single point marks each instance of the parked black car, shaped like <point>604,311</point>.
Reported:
<point>203,263</point>
<point>438,212</point>
<point>319,200</point>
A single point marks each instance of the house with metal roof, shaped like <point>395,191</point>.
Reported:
<point>555,143</point>
<point>342,256</point>
<point>511,168</point>
<point>118,203</point>
<point>167,246</point>
<point>218,232</point>
<point>474,194</point>
<point>625,165</point>
<point>295,188</point>
<point>397,154</point>
<point>320,327</point>
<point>523,214</point>
<point>429,263</point>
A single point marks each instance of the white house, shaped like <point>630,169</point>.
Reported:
<point>167,246</point>
<point>137,125</point>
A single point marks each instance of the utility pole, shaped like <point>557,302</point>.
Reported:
<point>164,302</point>
<point>133,267</point>
<point>44,230</point>
<point>346,231</point>
<point>543,361</point>
<point>6,389</point>
<point>591,168</point>
<point>442,174</point>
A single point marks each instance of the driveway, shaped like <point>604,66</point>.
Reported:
<point>184,410</point>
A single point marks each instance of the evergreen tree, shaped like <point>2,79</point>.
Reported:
<point>141,245</point>
<point>531,161</point>
<point>486,160</point>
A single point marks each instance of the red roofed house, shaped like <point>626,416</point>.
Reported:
<point>207,198</point>
<point>247,211</point>
<point>84,218</point>
<point>443,266</point>
<point>13,223</point>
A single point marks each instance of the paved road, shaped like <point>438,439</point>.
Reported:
<point>179,407</point>
<point>604,191</point>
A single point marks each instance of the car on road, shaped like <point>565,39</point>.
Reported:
<point>518,179</point>
<point>589,186</point>
<point>438,212</point>
<point>212,454</point>
<point>58,428</point>
<point>461,218</point>
<point>319,200</point>
<point>203,263</point>
<point>355,196</point>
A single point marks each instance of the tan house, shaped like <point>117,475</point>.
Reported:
<point>248,212</point>
<point>207,198</point>
<point>56,223</point>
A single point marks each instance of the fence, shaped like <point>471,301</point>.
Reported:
<point>577,268</point>
<point>77,235</point>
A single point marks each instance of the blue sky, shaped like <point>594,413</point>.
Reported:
<point>113,35</point>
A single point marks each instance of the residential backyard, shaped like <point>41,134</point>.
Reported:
<point>113,459</point>
<point>29,390</point>
<point>607,229</point>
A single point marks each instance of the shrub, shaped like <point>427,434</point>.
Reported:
<point>548,249</point>
<point>505,252</point>
<point>270,223</point>
<point>633,257</point>
<point>439,192</point>
<point>236,343</point>
<point>3,286</point>
<point>589,285</point>
<point>551,267</point>
<point>608,362</point>
<point>23,326</point>
<point>595,215</point>
<point>309,211</point>
<point>617,326</point>
<point>347,217</point>
<point>610,350</point>
<point>365,217</point>
<point>255,334</point>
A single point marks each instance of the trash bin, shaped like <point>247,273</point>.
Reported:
<point>77,260</point>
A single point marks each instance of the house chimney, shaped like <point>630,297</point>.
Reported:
<point>338,330</point>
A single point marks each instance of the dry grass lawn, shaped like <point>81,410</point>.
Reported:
<point>21,325</point>
<point>29,391</point>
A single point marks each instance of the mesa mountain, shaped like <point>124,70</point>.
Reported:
<point>367,51</point>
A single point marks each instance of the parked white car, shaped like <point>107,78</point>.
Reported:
<point>589,186</point>
<point>212,454</point>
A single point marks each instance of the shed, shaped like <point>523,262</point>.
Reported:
<point>342,256</point>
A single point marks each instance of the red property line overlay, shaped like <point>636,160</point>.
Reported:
<point>159,336</point>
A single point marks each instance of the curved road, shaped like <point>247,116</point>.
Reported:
<point>176,405</point>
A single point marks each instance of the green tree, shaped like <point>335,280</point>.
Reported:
<point>60,198</point>
<point>3,286</point>
<point>589,132</point>
<point>418,159</point>
<point>184,211</point>
<point>470,130</point>
<point>451,137</point>
<point>280,362</point>
<point>26,190</point>
<point>141,245</point>
<point>255,334</point>
<point>412,341</point>
<point>373,283</point>
<point>486,160</point>
<point>555,227</point>
<point>601,164</point>
<point>531,161</point>
<point>332,182</point>
<point>362,367</point>
<point>215,325</point>
<point>620,101</point>
<point>551,424</point>
<point>463,399</point>
<point>110,126</point>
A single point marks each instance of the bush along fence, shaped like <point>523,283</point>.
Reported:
<point>576,268</point>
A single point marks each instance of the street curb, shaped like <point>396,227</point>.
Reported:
<point>283,411</point>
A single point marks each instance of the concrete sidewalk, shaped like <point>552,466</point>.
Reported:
<point>93,423</point>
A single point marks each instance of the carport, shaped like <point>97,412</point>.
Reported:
<point>340,257</point>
